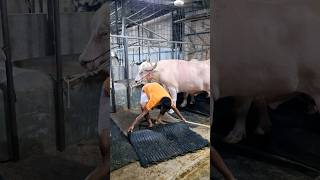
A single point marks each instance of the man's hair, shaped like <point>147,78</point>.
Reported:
<point>165,103</point>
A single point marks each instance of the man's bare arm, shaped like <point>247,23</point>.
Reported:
<point>144,112</point>
<point>175,109</point>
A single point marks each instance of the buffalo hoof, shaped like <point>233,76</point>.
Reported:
<point>234,137</point>
<point>184,104</point>
<point>262,130</point>
<point>312,110</point>
<point>259,131</point>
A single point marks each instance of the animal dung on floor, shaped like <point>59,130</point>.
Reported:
<point>163,142</point>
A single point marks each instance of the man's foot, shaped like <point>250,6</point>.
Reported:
<point>150,125</point>
<point>160,122</point>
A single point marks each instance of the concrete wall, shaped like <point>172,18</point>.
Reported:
<point>29,34</point>
<point>34,86</point>
<point>21,7</point>
<point>3,133</point>
<point>34,112</point>
<point>121,96</point>
<point>35,106</point>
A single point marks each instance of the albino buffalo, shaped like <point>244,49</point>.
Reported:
<point>96,52</point>
<point>191,77</point>
<point>96,56</point>
<point>268,54</point>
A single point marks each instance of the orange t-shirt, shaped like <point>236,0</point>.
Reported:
<point>155,93</point>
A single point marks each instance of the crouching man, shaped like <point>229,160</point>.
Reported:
<point>152,95</point>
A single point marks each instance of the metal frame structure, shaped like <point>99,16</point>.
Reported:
<point>11,123</point>
<point>129,13</point>
<point>10,96</point>
<point>60,123</point>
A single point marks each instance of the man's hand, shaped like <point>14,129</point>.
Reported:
<point>178,113</point>
<point>130,129</point>
<point>184,120</point>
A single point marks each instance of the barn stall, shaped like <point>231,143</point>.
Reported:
<point>48,118</point>
<point>155,31</point>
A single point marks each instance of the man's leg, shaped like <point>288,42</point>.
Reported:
<point>173,92</point>
<point>159,119</point>
<point>218,162</point>
<point>147,117</point>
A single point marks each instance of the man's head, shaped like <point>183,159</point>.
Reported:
<point>165,104</point>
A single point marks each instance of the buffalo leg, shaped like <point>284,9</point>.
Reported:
<point>192,100</point>
<point>242,106</point>
<point>264,119</point>
<point>185,100</point>
<point>173,92</point>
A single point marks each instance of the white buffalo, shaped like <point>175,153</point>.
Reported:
<point>95,56</point>
<point>191,77</point>
<point>266,54</point>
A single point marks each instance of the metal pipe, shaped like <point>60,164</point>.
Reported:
<point>60,126</point>
<point>147,29</point>
<point>125,48</point>
<point>116,14</point>
<point>113,96</point>
<point>139,44</point>
<point>142,42</point>
<point>192,34</point>
<point>194,18</point>
<point>132,45</point>
<point>12,130</point>
<point>144,19</point>
<point>33,6</point>
<point>159,53</point>
<point>151,39</point>
<point>41,6</point>
<point>138,11</point>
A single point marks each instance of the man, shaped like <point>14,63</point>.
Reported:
<point>152,95</point>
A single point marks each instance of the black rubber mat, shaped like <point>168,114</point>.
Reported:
<point>122,153</point>
<point>164,142</point>
<point>294,134</point>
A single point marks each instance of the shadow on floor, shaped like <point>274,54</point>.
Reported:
<point>45,166</point>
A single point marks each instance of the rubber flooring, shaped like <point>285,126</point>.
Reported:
<point>165,142</point>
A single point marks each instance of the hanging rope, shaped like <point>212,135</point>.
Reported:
<point>71,79</point>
